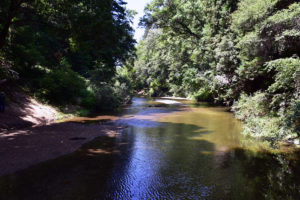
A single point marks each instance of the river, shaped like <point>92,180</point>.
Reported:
<point>169,150</point>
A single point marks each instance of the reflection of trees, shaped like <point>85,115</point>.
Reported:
<point>182,173</point>
<point>233,173</point>
<point>271,176</point>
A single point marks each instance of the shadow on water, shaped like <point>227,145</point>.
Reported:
<point>265,175</point>
<point>93,171</point>
<point>79,175</point>
<point>165,164</point>
<point>159,160</point>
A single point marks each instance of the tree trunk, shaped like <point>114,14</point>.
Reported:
<point>14,6</point>
<point>5,30</point>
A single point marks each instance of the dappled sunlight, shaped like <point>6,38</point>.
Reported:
<point>25,111</point>
<point>102,118</point>
<point>38,113</point>
<point>93,152</point>
<point>14,134</point>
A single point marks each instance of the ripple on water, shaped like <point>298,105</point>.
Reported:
<point>164,153</point>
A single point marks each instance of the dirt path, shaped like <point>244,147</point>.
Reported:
<point>20,149</point>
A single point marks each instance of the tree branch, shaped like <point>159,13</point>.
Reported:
<point>187,29</point>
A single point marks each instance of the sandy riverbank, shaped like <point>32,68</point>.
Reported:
<point>22,148</point>
<point>29,133</point>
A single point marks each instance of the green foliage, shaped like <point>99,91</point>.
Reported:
<point>6,71</point>
<point>154,88</point>
<point>150,68</point>
<point>83,112</point>
<point>218,50</point>
<point>252,12</point>
<point>66,52</point>
<point>61,86</point>
<point>106,98</point>
<point>250,106</point>
<point>267,128</point>
<point>283,90</point>
<point>181,45</point>
<point>253,110</point>
<point>89,100</point>
<point>123,84</point>
<point>204,94</point>
<point>293,118</point>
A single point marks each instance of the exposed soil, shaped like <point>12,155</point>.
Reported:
<point>29,134</point>
<point>20,149</point>
<point>24,111</point>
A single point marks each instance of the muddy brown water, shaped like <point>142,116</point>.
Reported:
<point>180,151</point>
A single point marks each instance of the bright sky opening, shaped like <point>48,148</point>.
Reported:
<point>138,6</point>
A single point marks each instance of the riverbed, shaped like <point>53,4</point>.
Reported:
<point>170,149</point>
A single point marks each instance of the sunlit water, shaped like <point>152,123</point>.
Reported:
<point>179,151</point>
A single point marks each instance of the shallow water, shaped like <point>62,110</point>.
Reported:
<point>178,151</point>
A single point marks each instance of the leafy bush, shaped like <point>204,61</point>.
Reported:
<point>123,84</point>
<point>89,100</point>
<point>204,94</point>
<point>253,111</point>
<point>250,106</point>
<point>123,91</point>
<point>106,98</point>
<point>6,71</point>
<point>283,90</point>
<point>268,128</point>
<point>61,86</point>
<point>64,86</point>
<point>293,119</point>
<point>157,88</point>
<point>84,112</point>
<point>251,12</point>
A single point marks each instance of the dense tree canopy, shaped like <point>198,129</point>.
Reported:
<point>225,51</point>
<point>65,47</point>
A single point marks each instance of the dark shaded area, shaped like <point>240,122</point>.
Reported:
<point>76,176</point>
<point>77,138</point>
<point>266,175</point>
<point>65,53</point>
<point>283,4</point>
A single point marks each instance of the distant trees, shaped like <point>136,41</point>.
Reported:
<point>216,50</point>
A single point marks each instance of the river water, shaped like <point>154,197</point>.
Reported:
<point>168,151</point>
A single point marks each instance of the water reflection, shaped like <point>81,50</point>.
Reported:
<point>165,153</point>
